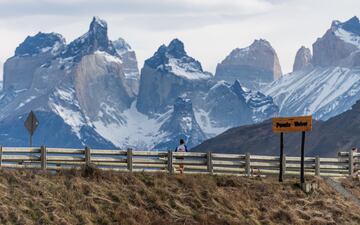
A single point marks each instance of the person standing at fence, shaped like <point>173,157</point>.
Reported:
<point>181,148</point>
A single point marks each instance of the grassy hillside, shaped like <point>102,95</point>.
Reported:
<point>94,197</point>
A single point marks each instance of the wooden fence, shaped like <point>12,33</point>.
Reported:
<point>347,163</point>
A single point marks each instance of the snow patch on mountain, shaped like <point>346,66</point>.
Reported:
<point>323,92</point>
<point>139,131</point>
<point>348,37</point>
<point>188,70</point>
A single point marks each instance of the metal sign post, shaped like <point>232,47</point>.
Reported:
<point>31,123</point>
<point>281,173</point>
<point>292,124</point>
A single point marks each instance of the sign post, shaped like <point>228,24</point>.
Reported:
<point>292,124</point>
<point>31,123</point>
<point>281,173</point>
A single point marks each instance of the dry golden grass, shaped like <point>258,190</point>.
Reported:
<point>95,197</point>
<point>352,184</point>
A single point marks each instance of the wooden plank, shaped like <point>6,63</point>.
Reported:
<point>145,160</point>
<point>345,167</point>
<point>170,162</point>
<point>43,157</point>
<point>227,156</point>
<point>119,164</point>
<point>189,162</point>
<point>19,166</point>
<point>20,158</point>
<point>264,164</point>
<point>317,166</point>
<point>228,163</point>
<point>149,153</point>
<point>64,151</point>
<point>1,154</point>
<point>129,160</point>
<point>87,156</point>
<point>65,158</point>
<point>194,167</point>
<point>260,157</point>
<point>247,165</point>
<point>189,154</point>
<point>65,163</point>
<point>108,152</point>
<point>334,160</point>
<point>20,150</point>
<point>209,163</point>
<point>229,169</point>
<point>298,159</point>
<point>142,165</point>
<point>108,159</point>
<point>351,163</point>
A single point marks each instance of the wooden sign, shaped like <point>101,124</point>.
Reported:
<point>292,124</point>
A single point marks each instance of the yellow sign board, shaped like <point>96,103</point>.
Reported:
<point>292,124</point>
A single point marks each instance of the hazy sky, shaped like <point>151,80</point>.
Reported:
<point>210,29</point>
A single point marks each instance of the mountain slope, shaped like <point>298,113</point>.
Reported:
<point>339,133</point>
<point>89,92</point>
<point>68,86</point>
<point>329,84</point>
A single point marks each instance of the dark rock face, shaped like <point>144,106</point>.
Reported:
<point>338,44</point>
<point>95,39</point>
<point>181,125</point>
<point>36,51</point>
<point>74,86</point>
<point>302,59</point>
<point>168,74</point>
<point>86,93</point>
<point>352,25</point>
<point>51,132</point>
<point>130,65</point>
<point>254,66</point>
<point>40,43</point>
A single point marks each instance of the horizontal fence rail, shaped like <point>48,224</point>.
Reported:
<point>347,163</point>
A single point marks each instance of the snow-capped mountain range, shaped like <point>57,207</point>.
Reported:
<point>326,83</point>
<point>90,92</point>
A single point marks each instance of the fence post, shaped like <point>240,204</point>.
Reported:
<point>43,157</point>
<point>351,163</point>
<point>87,156</point>
<point>284,164</point>
<point>247,165</point>
<point>130,159</point>
<point>209,163</point>
<point>170,162</point>
<point>317,166</point>
<point>1,154</point>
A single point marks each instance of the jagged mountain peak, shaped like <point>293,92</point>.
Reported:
<point>121,46</point>
<point>40,43</point>
<point>97,22</point>
<point>255,65</point>
<point>95,39</point>
<point>174,59</point>
<point>261,43</point>
<point>98,28</point>
<point>176,48</point>
<point>302,59</point>
<point>352,25</point>
<point>339,46</point>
